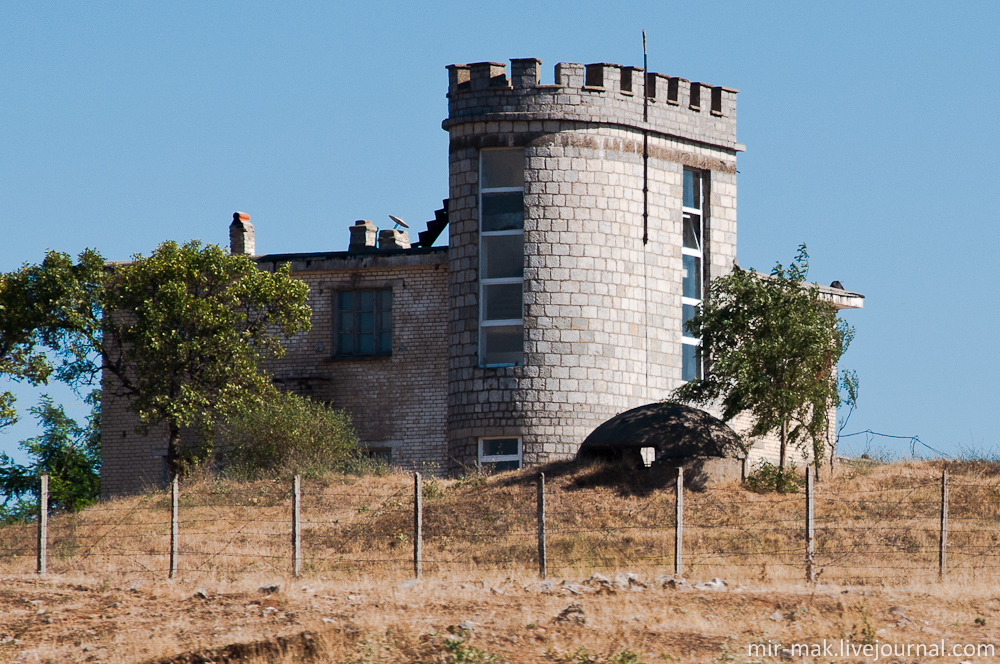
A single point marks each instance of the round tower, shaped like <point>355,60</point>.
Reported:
<point>586,219</point>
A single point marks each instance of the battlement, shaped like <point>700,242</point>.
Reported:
<point>599,92</point>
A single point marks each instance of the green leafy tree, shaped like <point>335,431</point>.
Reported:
<point>180,333</point>
<point>38,308</point>
<point>771,347</point>
<point>69,453</point>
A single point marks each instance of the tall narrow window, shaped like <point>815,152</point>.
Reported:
<point>501,257</point>
<point>693,255</point>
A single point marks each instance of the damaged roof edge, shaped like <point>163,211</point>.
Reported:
<point>356,259</point>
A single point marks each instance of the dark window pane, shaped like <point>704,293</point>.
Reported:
<point>692,276</point>
<point>692,231</point>
<point>366,300</point>
<point>503,302</point>
<point>384,298</point>
<point>503,256</point>
<point>503,345</point>
<point>502,168</point>
<point>691,363</point>
<point>378,453</point>
<point>385,321</point>
<point>503,211</point>
<point>345,344</point>
<point>385,342</point>
<point>345,300</point>
<point>689,311</point>
<point>366,322</point>
<point>501,446</point>
<point>346,322</point>
<point>692,189</point>
<point>366,344</point>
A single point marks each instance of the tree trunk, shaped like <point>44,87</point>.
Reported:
<point>174,450</point>
<point>784,426</point>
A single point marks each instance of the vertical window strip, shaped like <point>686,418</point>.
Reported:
<point>501,257</point>
<point>693,256</point>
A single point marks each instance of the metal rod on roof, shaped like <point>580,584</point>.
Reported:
<point>645,73</point>
<point>645,143</point>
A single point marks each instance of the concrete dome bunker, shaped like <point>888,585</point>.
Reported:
<point>678,435</point>
<point>605,152</point>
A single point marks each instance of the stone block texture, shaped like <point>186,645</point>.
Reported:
<point>602,308</point>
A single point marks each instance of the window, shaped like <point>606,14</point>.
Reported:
<point>363,323</point>
<point>501,257</point>
<point>500,454</point>
<point>378,454</point>
<point>693,256</point>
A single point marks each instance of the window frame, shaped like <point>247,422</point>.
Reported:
<point>485,282</point>
<point>484,460</point>
<point>699,253</point>
<point>377,314</point>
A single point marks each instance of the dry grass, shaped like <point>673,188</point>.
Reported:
<point>513,619</point>
<point>874,524</point>
<point>877,527</point>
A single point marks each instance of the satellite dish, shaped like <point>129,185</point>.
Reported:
<point>398,221</point>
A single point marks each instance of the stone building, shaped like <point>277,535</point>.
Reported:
<point>585,220</point>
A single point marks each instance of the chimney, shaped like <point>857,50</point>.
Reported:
<point>393,238</point>
<point>363,235</point>
<point>241,240</point>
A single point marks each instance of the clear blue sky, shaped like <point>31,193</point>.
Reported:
<point>871,133</point>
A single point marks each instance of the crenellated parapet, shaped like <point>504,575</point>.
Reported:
<point>599,93</point>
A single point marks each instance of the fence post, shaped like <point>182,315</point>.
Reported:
<point>943,551</point>
<point>810,529</point>
<point>418,526</point>
<point>174,525</point>
<point>297,527</point>
<point>679,524</point>
<point>43,526</point>
<point>542,553</point>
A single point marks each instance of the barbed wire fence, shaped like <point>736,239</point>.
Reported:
<point>915,528</point>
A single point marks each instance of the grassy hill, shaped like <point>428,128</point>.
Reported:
<point>107,598</point>
<point>874,523</point>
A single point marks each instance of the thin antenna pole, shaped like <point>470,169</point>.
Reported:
<point>645,202</point>
<point>645,143</point>
<point>645,72</point>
